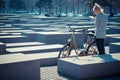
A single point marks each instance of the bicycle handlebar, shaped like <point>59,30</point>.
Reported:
<point>78,30</point>
<point>90,33</point>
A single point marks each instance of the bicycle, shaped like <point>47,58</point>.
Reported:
<point>89,48</point>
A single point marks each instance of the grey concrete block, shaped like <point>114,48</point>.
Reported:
<point>59,37</point>
<point>114,23</point>
<point>6,21</point>
<point>111,38</point>
<point>29,26</point>
<point>2,48</point>
<point>35,49</point>
<point>16,30</point>
<point>32,36</point>
<point>23,44</point>
<point>7,15</point>
<point>90,66</point>
<point>4,34</point>
<point>114,47</point>
<point>19,67</point>
<point>115,30</point>
<point>18,20</point>
<point>2,24</point>
<point>46,59</point>
<point>13,39</point>
<point>114,39</point>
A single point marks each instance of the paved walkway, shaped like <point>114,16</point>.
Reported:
<point>50,73</point>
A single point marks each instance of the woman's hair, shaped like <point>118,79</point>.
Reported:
<point>97,7</point>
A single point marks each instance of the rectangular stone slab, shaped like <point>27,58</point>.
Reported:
<point>115,47</point>
<point>19,67</point>
<point>90,66</point>
<point>13,39</point>
<point>2,48</point>
<point>59,37</point>
<point>36,49</point>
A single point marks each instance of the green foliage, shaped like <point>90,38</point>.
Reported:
<point>2,4</point>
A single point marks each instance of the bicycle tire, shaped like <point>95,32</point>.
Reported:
<point>88,51</point>
<point>63,51</point>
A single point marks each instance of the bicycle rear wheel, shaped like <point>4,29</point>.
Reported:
<point>91,49</point>
<point>65,51</point>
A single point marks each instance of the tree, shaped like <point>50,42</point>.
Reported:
<point>89,4</point>
<point>17,4</point>
<point>117,3</point>
<point>2,4</point>
<point>46,4</point>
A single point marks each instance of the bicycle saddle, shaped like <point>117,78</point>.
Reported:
<point>76,30</point>
<point>90,33</point>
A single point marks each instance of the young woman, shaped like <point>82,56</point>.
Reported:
<point>100,27</point>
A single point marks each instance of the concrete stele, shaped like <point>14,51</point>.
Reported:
<point>90,66</point>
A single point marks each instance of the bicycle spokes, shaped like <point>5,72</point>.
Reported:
<point>65,52</point>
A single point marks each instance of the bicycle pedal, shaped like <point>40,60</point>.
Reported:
<point>82,53</point>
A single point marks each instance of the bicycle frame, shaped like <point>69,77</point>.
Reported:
<point>74,43</point>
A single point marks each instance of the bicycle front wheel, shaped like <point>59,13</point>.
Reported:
<point>65,51</point>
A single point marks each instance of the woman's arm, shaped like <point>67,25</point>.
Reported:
<point>97,21</point>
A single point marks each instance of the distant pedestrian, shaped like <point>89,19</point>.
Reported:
<point>100,27</point>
